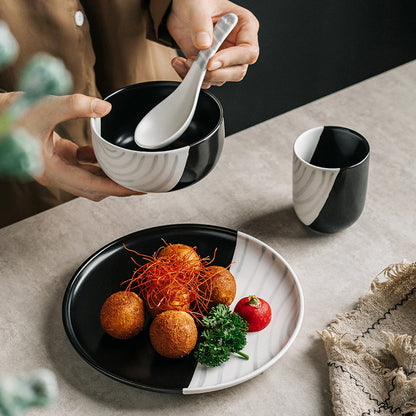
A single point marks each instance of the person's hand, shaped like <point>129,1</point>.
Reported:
<point>68,166</point>
<point>191,23</point>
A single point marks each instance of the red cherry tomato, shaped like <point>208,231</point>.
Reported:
<point>255,311</point>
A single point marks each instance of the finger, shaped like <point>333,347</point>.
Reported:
<point>70,107</point>
<point>85,154</point>
<point>243,54</point>
<point>179,66</point>
<point>95,169</point>
<point>8,98</point>
<point>229,57</point>
<point>230,74</point>
<point>81,106</point>
<point>201,28</point>
<point>241,47</point>
<point>96,184</point>
<point>89,182</point>
<point>247,29</point>
<point>218,77</point>
<point>206,85</point>
<point>101,186</point>
<point>97,196</point>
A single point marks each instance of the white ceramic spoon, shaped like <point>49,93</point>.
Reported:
<point>169,119</point>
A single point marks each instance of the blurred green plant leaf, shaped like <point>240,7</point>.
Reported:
<point>19,393</point>
<point>20,155</point>
<point>42,75</point>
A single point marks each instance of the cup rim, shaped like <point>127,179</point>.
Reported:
<point>93,121</point>
<point>364,140</point>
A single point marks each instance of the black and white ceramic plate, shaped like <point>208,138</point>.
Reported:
<point>257,268</point>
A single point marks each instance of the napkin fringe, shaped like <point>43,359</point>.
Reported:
<point>372,350</point>
<point>403,349</point>
<point>387,278</point>
<point>388,286</point>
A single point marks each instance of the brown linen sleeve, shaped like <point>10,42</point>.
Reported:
<point>157,29</point>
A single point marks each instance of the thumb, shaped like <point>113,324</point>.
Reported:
<point>70,107</point>
<point>201,29</point>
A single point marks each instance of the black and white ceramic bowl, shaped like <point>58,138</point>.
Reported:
<point>176,166</point>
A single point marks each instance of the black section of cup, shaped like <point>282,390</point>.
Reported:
<point>346,200</point>
<point>339,147</point>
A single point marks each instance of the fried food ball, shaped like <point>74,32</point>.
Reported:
<point>173,334</point>
<point>185,252</point>
<point>219,285</point>
<point>122,316</point>
<point>161,302</point>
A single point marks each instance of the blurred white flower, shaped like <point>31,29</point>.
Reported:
<point>9,48</point>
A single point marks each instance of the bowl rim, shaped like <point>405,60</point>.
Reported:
<point>93,121</point>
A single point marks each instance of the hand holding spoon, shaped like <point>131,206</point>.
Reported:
<point>170,118</point>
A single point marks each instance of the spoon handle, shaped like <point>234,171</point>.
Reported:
<point>221,30</point>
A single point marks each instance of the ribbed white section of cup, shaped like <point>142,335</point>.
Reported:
<point>311,188</point>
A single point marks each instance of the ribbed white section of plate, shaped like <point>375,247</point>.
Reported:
<point>258,270</point>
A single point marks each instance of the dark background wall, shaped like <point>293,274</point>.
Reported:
<point>309,49</point>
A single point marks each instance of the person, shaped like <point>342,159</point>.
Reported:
<point>106,46</point>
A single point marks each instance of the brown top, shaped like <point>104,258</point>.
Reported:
<point>104,44</point>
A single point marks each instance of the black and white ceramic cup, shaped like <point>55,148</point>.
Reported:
<point>330,175</point>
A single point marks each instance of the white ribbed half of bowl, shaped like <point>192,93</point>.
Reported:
<point>158,171</point>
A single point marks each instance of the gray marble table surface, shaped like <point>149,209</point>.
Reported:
<point>249,190</point>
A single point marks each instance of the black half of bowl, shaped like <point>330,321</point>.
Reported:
<point>204,136</point>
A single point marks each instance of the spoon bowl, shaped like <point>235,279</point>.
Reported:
<point>167,121</point>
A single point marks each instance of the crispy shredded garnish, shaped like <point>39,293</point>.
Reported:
<point>172,281</point>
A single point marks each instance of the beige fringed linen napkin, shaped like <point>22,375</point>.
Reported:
<point>372,350</point>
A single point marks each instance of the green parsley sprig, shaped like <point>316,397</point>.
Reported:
<point>224,333</point>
